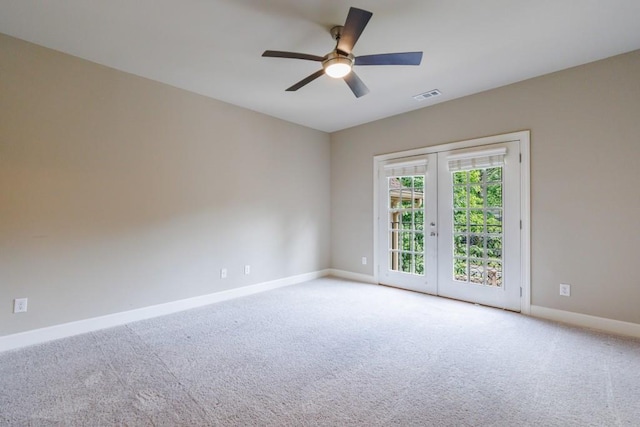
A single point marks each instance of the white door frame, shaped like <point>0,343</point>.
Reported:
<point>525,199</point>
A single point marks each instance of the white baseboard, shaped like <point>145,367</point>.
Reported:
<point>348,275</point>
<point>37,336</point>
<point>600,323</point>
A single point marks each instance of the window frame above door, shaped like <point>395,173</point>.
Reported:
<point>379,162</point>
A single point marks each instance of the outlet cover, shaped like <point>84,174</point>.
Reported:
<point>20,305</point>
<point>364,260</point>
<point>223,273</point>
<point>247,269</point>
<point>565,290</point>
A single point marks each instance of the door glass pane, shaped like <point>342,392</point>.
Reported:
<point>460,221</point>
<point>476,199</point>
<point>476,246</point>
<point>419,264</point>
<point>494,248</point>
<point>476,175</point>
<point>418,183</point>
<point>494,175</point>
<point>494,221</point>
<point>476,220</point>
<point>418,242</point>
<point>494,273</point>
<point>407,220</point>
<point>476,270</point>
<point>494,195</point>
<point>394,260</point>
<point>393,240</point>
<point>419,219</point>
<point>460,245</point>
<point>460,196</point>
<point>406,226</point>
<point>407,262</point>
<point>394,222</point>
<point>460,177</point>
<point>407,242</point>
<point>460,269</point>
<point>477,226</point>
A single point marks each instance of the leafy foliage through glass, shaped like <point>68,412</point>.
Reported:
<point>477,226</point>
<point>406,215</point>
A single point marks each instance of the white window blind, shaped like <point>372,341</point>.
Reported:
<point>477,159</point>
<point>406,168</point>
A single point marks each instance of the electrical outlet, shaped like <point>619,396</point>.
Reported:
<point>565,290</point>
<point>247,269</point>
<point>364,260</point>
<point>20,305</point>
<point>223,273</point>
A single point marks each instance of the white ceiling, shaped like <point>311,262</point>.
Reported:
<point>214,47</point>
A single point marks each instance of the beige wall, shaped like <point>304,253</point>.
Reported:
<point>585,166</point>
<point>117,192</point>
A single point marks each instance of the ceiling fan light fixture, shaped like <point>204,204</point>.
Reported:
<point>338,63</point>
<point>337,66</point>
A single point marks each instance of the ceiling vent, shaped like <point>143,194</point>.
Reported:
<point>430,94</point>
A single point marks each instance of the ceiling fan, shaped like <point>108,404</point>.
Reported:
<point>339,62</point>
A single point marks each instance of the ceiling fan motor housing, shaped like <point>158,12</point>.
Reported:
<point>337,65</point>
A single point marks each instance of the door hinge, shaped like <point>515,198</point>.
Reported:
<point>520,224</point>
<point>520,292</point>
<point>520,157</point>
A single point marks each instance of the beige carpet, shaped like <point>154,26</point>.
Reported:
<point>328,352</point>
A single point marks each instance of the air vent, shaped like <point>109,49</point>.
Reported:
<point>430,94</point>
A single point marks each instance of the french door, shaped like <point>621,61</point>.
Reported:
<point>408,212</point>
<point>449,224</point>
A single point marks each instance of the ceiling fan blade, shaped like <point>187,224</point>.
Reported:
<point>357,20</point>
<point>306,81</point>
<point>292,55</point>
<point>404,58</point>
<point>357,86</point>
